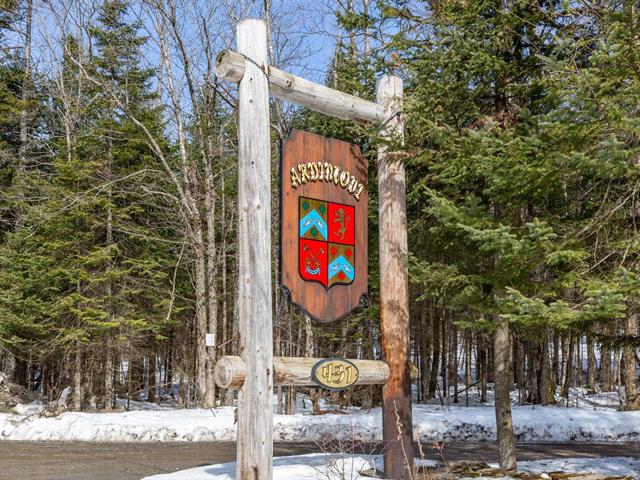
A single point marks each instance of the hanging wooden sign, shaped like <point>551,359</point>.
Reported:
<point>323,250</point>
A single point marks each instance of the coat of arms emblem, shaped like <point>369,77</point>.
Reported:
<point>323,242</point>
<point>327,242</point>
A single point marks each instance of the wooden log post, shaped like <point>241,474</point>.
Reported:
<point>232,65</point>
<point>397,423</point>
<point>231,371</point>
<point>255,403</point>
<point>255,400</point>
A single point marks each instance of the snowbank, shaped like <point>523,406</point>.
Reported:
<point>301,467</point>
<point>431,423</point>
<point>347,467</point>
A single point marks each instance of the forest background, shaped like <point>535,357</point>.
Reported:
<point>118,193</point>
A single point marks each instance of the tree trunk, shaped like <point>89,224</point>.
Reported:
<point>453,361</point>
<point>9,366</point>
<point>518,371</point>
<point>591,364</point>
<point>532,370</point>
<point>201,323</point>
<point>555,367</point>
<point>151,382</point>
<point>467,366</point>
<point>26,88</point>
<point>212,300</point>
<point>617,361</point>
<point>546,395</point>
<point>109,396</point>
<point>435,359</point>
<point>483,367</point>
<point>577,378</point>
<point>108,368</point>
<point>568,369</point>
<point>504,422</point>
<point>277,347</point>
<point>90,385</point>
<point>605,365</point>
<point>224,397</point>
<point>444,356</point>
<point>426,349</point>
<point>629,374</point>
<point>169,369</point>
<point>77,378</point>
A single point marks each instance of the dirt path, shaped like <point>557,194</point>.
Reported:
<point>132,461</point>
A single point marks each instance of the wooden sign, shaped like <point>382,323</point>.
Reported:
<point>326,279</point>
<point>335,373</point>
<point>231,372</point>
<point>323,250</point>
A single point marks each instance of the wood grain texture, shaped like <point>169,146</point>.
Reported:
<point>394,289</point>
<point>255,401</point>
<point>231,371</point>
<point>230,65</point>
<point>313,298</point>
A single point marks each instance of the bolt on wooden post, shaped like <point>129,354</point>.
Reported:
<point>394,288</point>
<point>255,400</point>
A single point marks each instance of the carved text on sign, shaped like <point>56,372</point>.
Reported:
<point>325,172</point>
<point>335,373</point>
<point>323,236</point>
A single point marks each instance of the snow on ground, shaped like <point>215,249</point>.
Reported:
<point>431,423</point>
<point>348,467</point>
<point>616,466</point>
<point>300,467</point>
<point>590,418</point>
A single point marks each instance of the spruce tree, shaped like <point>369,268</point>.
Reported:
<point>480,178</point>
<point>100,238</point>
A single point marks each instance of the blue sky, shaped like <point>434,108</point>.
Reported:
<point>304,30</point>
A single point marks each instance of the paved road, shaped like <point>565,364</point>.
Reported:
<point>132,461</point>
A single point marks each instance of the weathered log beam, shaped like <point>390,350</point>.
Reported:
<point>231,371</point>
<point>231,66</point>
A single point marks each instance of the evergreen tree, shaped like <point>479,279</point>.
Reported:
<point>99,238</point>
<point>483,177</point>
<point>596,131</point>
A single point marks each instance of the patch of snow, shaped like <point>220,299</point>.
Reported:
<point>348,467</point>
<point>617,466</point>
<point>27,409</point>
<point>431,423</point>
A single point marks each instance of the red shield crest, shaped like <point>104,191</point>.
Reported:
<point>323,243</point>
<point>327,242</point>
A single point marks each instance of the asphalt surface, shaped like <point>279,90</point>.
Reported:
<point>132,461</point>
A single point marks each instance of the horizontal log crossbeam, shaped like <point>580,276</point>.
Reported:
<point>230,371</point>
<point>231,66</point>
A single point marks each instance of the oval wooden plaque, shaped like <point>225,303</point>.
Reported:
<point>335,373</point>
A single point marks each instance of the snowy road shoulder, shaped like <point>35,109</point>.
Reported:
<point>300,467</point>
<point>349,467</point>
<point>431,423</point>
